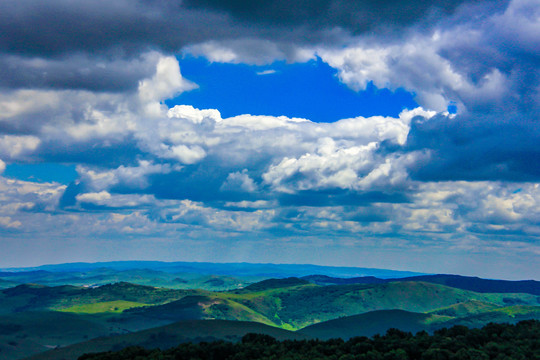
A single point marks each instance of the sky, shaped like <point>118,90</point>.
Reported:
<point>387,134</point>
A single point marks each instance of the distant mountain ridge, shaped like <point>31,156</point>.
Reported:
<point>456,281</point>
<point>234,269</point>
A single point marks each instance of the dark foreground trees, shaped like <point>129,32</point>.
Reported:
<point>493,341</point>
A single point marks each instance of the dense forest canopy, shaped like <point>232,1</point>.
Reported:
<point>494,341</point>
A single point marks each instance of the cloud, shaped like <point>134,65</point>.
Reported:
<point>251,50</point>
<point>76,71</point>
<point>17,147</point>
<point>484,65</point>
<point>355,16</point>
<point>183,146</point>
<point>422,182</point>
<point>102,46</point>
<point>167,82</point>
<point>239,181</point>
<point>105,200</point>
<point>266,72</point>
<point>7,222</point>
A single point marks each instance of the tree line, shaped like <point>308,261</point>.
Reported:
<point>520,341</point>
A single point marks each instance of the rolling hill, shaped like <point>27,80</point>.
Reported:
<point>24,334</point>
<point>378,322</point>
<point>317,305</point>
<point>34,297</point>
<point>368,324</point>
<point>480,285</point>
<point>460,282</point>
<point>169,336</point>
<point>290,303</point>
<point>101,276</point>
<point>295,307</point>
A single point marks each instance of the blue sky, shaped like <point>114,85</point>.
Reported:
<point>342,135</point>
<point>309,90</point>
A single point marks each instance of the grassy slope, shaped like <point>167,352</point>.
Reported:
<point>303,305</point>
<point>466,308</point>
<point>169,336</point>
<point>32,297</point>
<point>116,306</point>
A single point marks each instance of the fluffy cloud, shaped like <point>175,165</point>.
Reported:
<point>95,96</point>
<point>481,63</point>
<point>469,62</point>
<point>16,147</point>
<point>249,157</point>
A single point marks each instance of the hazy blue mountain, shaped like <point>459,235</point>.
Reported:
<point>232,269</point>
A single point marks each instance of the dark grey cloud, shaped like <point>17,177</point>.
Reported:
<point>357,16</point>
<point>106,153</point>
<point>477,147</point>
<point>96,45</point>
<point>59,26</point>
<point>75,72</point>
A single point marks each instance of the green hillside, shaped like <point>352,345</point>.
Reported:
<point>456,281</point>
<point>24,334</point>
<point>300,306</point>
<point>509,314</point>
<point>275,284</point>
<point>378,322</point>
<point>33,297</point>
<point>368,324</point>
<point>5,284</point>
<point>290,304</point>
<point>466,308</point>
<point>169,336</point>
<point>116,306</point>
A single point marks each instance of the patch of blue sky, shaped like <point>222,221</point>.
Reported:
<point>310,90</point>
<point>41,172</point>
<point>452,107</point>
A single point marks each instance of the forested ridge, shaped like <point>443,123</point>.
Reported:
<point>494,341</point>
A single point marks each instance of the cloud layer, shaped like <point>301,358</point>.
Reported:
<point>427,183</point>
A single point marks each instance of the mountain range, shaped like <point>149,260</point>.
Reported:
<point>63,311</point>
